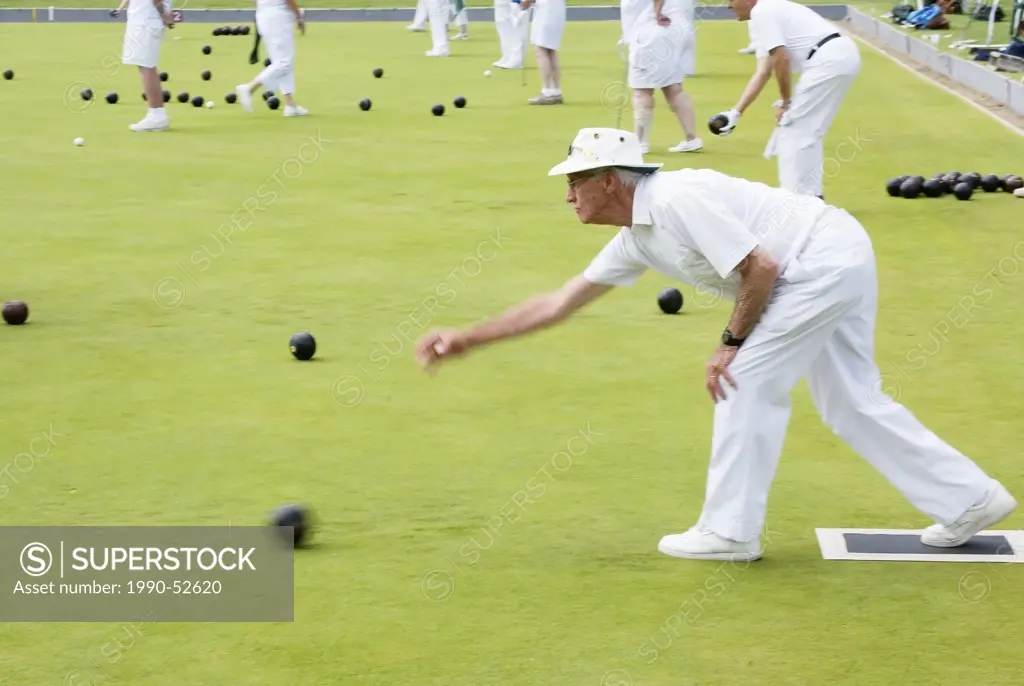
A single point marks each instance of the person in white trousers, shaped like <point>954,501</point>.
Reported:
<point>145,27</point>
<point>439,15</point>
<point>658,33</point>
<point>276,20</point>
<point>419,20</point>
<point>792,38</point>
<point>546,35</point>
<point>513,28</point>
<point>802,275</point>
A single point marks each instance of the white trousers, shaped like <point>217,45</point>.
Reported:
<point>420,20</point>
<point>799,140</point>
<point>438,13</point>
<point>820,324</point>
<point>513,26</point>
<point>277,26</point>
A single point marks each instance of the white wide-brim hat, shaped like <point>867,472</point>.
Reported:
<point>597,148</point>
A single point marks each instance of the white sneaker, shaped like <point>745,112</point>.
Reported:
<point>244,97</point>
<point>688,146</point>
<point>997,506</point>
<point>437,53</point>
<point>416,27</point>
<point>297,111</point>
<point>460,36</point>
<point>150,123</point>
<point>749,50</point>
<point>702,544</point>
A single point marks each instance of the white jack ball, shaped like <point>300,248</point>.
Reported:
<point>79,141</point>
<point>487,73</point>
<point>209,104</point>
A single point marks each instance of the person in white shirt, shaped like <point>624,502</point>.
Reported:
<point>803,279</point>
<point>276,21</point>
<point>658,33</point>
<point>145,27</point>
<point>512,26</point>
<point>689,10</point>
<point>546,35</point>
<point>792,38</point>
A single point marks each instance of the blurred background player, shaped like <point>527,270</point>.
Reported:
<point>658,33</point>
<point>794,39</point>
<point>439,15</point>
<point>512,26</point>
<point>546,35</point>
<point>751,48</point>
<point>145,27</point>
<point>689,13</point>
<point>276,21</point>
<point>419,21</point>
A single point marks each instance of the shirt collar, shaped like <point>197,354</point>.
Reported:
<point>641,203</point>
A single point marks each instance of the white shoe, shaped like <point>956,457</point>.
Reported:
<point>150,123</point>
<point>244,97</point>
<point>749,50</point>
<point>702,544</point>
<point>297,111</point>
<point>460,36</point>
<point>688,146</point>
<point>416,27</point>
<point>997,506</point>
<point>437,53</point>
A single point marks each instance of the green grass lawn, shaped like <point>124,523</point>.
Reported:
<point>157,351</point>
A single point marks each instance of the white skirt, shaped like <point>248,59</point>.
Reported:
<point>548,24</point>
<point>142,40</point>
<point>656,54</point>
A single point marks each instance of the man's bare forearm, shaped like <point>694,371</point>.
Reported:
<point>784,74</point>
<point>160,7</point>
<point>536,313</point>
<point>658,5</point>
<point>756,84</point>
<point>755,292</point>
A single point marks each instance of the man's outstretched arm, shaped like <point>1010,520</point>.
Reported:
<point>540,311</point>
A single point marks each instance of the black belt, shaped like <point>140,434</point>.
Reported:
<point>820,43</point>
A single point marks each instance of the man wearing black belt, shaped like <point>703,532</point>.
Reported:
<point>796,39</point>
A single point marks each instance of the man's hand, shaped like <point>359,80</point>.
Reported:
<point>438,345</point>
<point>732,119</point>
<point>717,369</point>
<point>663,20</point>
<point>168,20</point>
<point>780,108</point>
<point>525,5</point>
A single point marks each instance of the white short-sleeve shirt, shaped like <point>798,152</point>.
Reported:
<point>265,5</point>
<point>638,14</point>
<point>145,11</point>
<point>697,225</point>
<point>783,22</point>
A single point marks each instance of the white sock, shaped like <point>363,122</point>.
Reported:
<point>642,124</point>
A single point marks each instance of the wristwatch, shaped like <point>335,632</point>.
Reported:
<point>730,340</point>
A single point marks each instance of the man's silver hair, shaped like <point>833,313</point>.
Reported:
<point>628,177</point>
